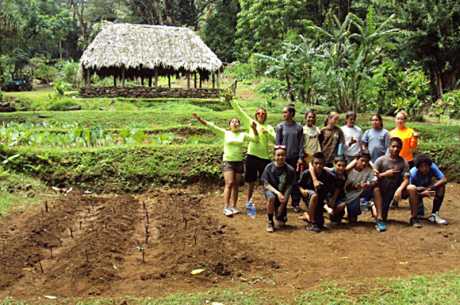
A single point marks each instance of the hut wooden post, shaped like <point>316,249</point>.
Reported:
<point>156,78</point>
<point>169,81</point>
<point>114,80</point>
<point>201,82</point>
<point>142,81</point>
<point>213,80</point>
<point>194,80</point>
<point>150,81</point>
<point>218,80</point>
<point>123,76</point>
<point>188,80</point>
<point>87,79</point>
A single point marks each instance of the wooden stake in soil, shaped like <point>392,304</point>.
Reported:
<point>81,222</point>
<point>147,234</point>
<point>51,252</point>
<point>71,232</point>
<point>41,266</point>
<point>46,206</point>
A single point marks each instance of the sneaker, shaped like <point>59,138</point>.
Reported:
<point>380,226</point>
<point>270,227</point>
<point>235,211</point>
<point>415,222</point>
<point>313,228</point>
<point>436,219</point>
<point>279,223</point>
<point>228,212</point>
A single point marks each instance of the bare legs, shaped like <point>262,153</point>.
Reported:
<point>251,187</point>
<point>232,184</point>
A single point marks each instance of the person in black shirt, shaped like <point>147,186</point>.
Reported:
<point>278,178</point>
<point>290,134</point>
<point>315,197</point>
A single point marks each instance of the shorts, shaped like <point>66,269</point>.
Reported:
<point>307,199</point>
<point>255,167</point>
<point>235,166</point>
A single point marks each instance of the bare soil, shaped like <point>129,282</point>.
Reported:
<point>148,245</point>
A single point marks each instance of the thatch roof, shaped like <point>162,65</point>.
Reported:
<point>143,50</point>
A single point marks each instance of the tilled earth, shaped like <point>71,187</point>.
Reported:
<point>148,245</point>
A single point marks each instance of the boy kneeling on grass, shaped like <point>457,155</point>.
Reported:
<point>278,178</point>
<point>427,180</point>
<point>316,194</point>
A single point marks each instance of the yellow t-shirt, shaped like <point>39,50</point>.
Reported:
<point>409,142</point>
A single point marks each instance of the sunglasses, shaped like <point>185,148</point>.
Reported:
<point>283,147</point>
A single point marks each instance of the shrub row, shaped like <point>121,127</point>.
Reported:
<point>127,168</point>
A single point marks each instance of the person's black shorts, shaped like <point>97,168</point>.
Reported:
<point>255,167</point>
<point>235,166</point>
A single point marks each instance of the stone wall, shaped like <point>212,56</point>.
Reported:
<point>149,92</point>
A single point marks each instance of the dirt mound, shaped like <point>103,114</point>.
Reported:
<point>90,245</point>
<point>89,264</point>
<point>186,238</point>
<point>26,244</point>
<point>71,246</point>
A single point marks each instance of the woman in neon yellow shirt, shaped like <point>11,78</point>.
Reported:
<point>260,152</point>
<point>233,168</point>
<point>408,136</point>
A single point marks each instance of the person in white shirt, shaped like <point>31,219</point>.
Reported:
<point>352,135</point>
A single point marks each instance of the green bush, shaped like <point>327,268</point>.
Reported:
<point>271,88</point>
<point>42,70</point>
<point>120,168</point>
<point>63,105</point>
<point>241,71</point>
<point>68,72</point>
<point>448,106</point>
<point>60,87</point>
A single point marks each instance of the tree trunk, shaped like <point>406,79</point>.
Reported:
<point>291,95</point>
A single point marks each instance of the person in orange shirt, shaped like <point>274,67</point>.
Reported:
<point>408,136</point>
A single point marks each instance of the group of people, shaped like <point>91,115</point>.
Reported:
<point>338,171</point>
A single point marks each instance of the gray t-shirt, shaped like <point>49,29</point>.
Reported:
<point>352,133</point>
<point>377,141</point>
<point>281,178</point>
<point>388,185</point>
<point>357,177</point>
<point>290,135</point>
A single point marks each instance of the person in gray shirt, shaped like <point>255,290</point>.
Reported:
<point>377,139</point>
<point>290,134</point>
<point>393,174</point>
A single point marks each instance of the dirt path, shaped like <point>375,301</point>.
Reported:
<point>148,245</point>
<point>346,253</point>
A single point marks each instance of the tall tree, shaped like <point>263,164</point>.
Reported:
<point>432,37</point>
<point>219,29</point>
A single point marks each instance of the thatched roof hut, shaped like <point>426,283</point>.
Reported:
<point>145,51</point>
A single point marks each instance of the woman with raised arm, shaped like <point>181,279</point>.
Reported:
<point>259,152</point>
<point>233,168</point>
